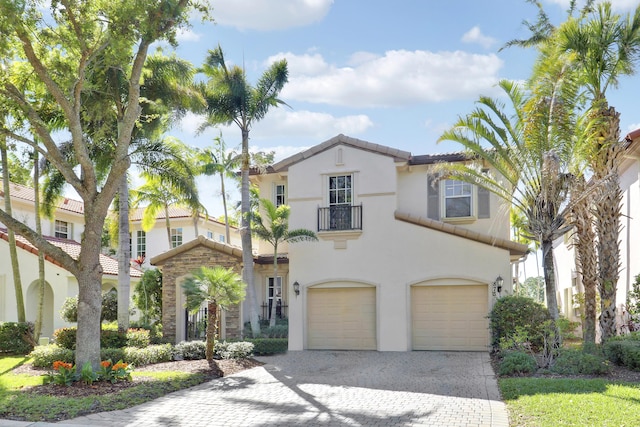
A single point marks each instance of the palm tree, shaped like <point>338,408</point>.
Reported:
<point>217,160</point>
<point>231,99</point>
<point>276,231</point>
<point>41,265</point>
<point>605,46</point>
<point>220,288</point>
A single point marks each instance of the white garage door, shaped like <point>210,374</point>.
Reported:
<point>341,319</point>
<point>450,317</point>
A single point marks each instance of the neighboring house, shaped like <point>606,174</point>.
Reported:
<point>401,263</point>
<point>64,231</point>
<point>147,244</point>
<point>568,279</point>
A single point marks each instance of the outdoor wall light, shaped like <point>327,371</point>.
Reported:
<point>296,288</point>
<point>497,285</point>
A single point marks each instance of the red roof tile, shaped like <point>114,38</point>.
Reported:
<point>18,191</point>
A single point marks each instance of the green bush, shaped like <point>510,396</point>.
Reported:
<point>112,354</point>
<point>112,339</point>
<point>16,338</point>
<point>266,346</point>
<point>109,313</point>
<point>65,337</point>
<point>631,354</point>
<point>515,315</point>
<point>147,295</point>
<point>44,355</point>
<point>138,338</point>
<point>155,331</point>
<point>149,355</point>
<point>577,362</point>
<point>517,362</point>
<point>567,328</point>
<point>277,331</point>
<point>621,349</point>
<point>233,350</point>
<point>190,350</point>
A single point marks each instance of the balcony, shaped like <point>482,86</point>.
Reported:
<point>340,218</point>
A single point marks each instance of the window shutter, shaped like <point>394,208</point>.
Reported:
<point>484,206</point>
<point>433,198</point>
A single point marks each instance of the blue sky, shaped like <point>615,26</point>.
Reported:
<point>393,73</point>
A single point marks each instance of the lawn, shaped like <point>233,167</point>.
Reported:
<point>555,402</point>
<point>18,404</point>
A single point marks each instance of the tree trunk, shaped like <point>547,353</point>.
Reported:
<point>167,223</point>
<point>13,252</point>
<point>224,206</point>
<point>272,318</point>
<point>212,327</point>
<point>41,265</point>
<point>124,256</point>
<point>245,235</point>
<point>549,277</point>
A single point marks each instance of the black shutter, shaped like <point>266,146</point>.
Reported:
<point>484,206</point>
<point>433,198</point>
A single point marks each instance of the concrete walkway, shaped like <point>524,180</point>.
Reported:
<point>331,388</point>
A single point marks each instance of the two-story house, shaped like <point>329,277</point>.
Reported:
<point>569,283</point>
<point>403,262</point>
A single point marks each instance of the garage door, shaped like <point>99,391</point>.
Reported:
<point>450,317</point>
<point>341,319</point>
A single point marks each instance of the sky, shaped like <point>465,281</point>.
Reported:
<point>395,73</point>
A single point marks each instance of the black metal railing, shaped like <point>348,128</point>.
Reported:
<point>196,325</point>
<point>340,217</point>
<point>282,311</point>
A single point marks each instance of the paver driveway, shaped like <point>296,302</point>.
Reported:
<point>334,388</point>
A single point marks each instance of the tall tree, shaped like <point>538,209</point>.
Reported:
<point>606,46</point>
<point>41,265</point>
<point>13,252</point>
<point>220,288</point>
<point>274,229</point>
<point>231,99</point>
<point>57,52</point>
<point>217,160</point>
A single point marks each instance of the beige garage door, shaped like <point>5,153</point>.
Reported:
<point>341,319</point>
<point>450,317</point>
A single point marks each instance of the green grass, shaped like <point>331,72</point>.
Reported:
<point>556,402</point>
<point>16,404</point>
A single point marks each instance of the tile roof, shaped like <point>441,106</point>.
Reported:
<point>175,212</point>
<point>109,264</point>
<point>18,191</point>
<point>201,240</point>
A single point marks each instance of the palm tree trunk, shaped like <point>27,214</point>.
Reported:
<point>549,277</point>
<point>272,318</point>
<point>245,235</point>
<point>13,252</point>
<point>167,224</point>
<point>212,326</point>
<point>124,256</point>
<point>224,205</point>
<point>41,266</point>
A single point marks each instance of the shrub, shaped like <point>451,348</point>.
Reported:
<point>190,350</point>
<point>147,295</point>
<point>620,349</point>
<point>266,346</point>
<point>16,338</point>
<point>112,339</point>
<point>514,315</point>
<point>155,331</point>
<point>517,362</point>
<point>65,337</point>
<point>233,350</point>
<point>44,355</point>
<point>577,362</point>
<point>109,313</point>
<point>149,355</point>
<point>277,331</point>
<point>138,338</point>
<point>630,352</point>
<point>111,354</point>
<point>567,328</point>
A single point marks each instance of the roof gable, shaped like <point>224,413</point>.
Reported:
<point>200,241</point>
<point>397,155</point>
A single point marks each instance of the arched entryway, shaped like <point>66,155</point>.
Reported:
<point>33,298</point>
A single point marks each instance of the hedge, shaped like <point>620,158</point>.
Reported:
<point>16,338</point>
<point>266,346</point>
<point>109,338</point>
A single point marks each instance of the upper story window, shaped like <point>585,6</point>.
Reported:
<point>340,190</point>
<point>458,199</point>
<point>340,214</point>
<point>141,243</point>
<point>176,237</point>
<point>221,238</point>
<point>62,229</point>
<point>279,195</point>
<point>210,235</point>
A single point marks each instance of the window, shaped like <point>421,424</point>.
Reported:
<point>176,237</point>
<point>278,296</point>
<point>141,243</point>
<point>457,199</point>
<point>62,229</point>
<point>210,235</point>
<point>340,197</point>
<point>221,238</point>
<point>279,193</point>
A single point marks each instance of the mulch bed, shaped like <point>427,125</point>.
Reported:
<point>215,369</point>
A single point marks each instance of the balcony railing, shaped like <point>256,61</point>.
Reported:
<point>282,310</point>
<point>340,217</point>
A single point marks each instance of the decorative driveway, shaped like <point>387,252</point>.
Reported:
<point>333,388</point>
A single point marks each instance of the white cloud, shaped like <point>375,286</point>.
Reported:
<point>633,127</point>
<point>474,35</point>
<point>187,35</point>
<point>398,78</point>
<point>267,15</point>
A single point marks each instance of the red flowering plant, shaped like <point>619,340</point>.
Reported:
<point>114,372</point>
<point>63,374</point>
